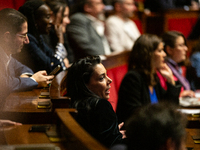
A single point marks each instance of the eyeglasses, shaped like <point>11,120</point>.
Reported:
<point>24,36</point>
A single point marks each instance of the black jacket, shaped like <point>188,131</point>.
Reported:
<point>134,93</point>
<point>98,118</point>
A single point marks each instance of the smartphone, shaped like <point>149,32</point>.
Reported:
<point>39,128</point>
<point>55,70</point>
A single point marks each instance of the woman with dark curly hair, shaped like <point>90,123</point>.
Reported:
<point>140,85</point>
<point>88,86</point>
<point>37,54</point>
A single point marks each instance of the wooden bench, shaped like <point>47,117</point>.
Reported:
<point>74,133</point>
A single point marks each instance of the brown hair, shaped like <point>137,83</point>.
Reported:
<point>141,56</point>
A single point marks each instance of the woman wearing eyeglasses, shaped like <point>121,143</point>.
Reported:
<point>37,54</point>
<point>176,49</point>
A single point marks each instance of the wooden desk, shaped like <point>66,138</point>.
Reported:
<point>16,135</point>
<point>189,141</point>
<point>73,136</point>
<point>23,106</point>
<point>57,89</point>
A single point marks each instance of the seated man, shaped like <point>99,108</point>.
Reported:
<point>120,30</point>
<point>86,31</point>
<point>15,76</point>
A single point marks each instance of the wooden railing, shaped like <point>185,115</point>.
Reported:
<point>75,133</point>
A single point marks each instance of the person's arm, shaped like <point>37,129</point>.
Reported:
<point>17,81</point>
<point>167,73</point>
<point>42,78</point>
<point>43,58</point>
<point>173,88</point>
<point>4,123</point>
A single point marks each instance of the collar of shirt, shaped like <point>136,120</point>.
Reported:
<point>97,24</point>
<point>5,58</point>
<point>172,62</point>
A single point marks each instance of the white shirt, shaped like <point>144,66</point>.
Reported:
<point>121,34</point>
<point>6,59</point>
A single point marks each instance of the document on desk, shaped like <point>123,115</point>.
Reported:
<point>189,101</point>
<point>190,111</point>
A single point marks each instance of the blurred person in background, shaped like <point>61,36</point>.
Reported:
<point>57,38</point>
<point>141,86</point>
<point>121,31</point>
<point>176,48</point>
<point>37,54</point>
<point>86,30</point>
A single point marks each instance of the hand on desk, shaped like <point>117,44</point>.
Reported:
<point>8,123</point>
<point>187,93</point>
<point>42,78</point>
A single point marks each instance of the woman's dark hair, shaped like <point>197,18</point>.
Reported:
<point>55,5</point>
<point>153,125</point>
<point>169,39</point>
<point>78,76</point>
<point>11,20</point>
<point>140,57</point>
<point>30,10</point>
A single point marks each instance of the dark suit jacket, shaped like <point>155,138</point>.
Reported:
<point>10,80</point>
<point>83,38</point>
<point>37,56</point>
<point>134,93</point>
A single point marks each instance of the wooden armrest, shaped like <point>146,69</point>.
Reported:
<point>76,131</point>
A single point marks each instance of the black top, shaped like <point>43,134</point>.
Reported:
<point>37,55</point>
<point>134,92</point>
<point>98,118</point>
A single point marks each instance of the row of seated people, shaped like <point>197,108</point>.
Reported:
<point>89,79</point>
<point>50,44</point>
<point>94,84</point>
<point>83,36</point>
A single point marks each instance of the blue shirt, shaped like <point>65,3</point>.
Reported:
<point>153,97</point>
